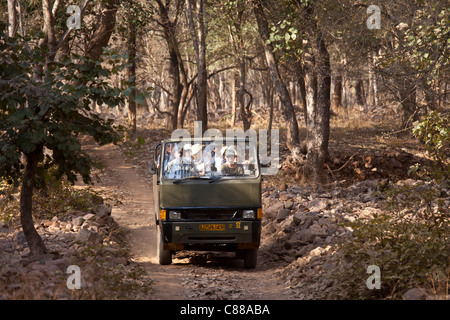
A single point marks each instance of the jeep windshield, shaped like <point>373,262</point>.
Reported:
<point>186,160</point>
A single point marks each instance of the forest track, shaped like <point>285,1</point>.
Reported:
<point>191,275</point>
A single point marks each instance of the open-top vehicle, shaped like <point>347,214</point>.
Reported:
<point>207,196</point>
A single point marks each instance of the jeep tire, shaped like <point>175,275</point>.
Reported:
<point>250,257</point>
<point>164,256</point>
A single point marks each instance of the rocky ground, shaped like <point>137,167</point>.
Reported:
<point>91,240</point>
<point>302,228</point>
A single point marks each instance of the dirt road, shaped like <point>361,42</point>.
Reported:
<point>191,275</point>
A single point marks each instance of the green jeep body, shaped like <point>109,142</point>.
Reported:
<point>208,211</point>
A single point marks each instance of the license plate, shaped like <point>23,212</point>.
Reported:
<point>212,227</point>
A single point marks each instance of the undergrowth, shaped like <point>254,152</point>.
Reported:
<point>55,199</point>
<point>410,239</point>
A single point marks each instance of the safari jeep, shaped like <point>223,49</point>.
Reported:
<point>207,197</point>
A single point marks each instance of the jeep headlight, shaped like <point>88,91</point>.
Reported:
<point>248,214</point>
<point>174,215</point>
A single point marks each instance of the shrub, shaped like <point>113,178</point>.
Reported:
<point>434,132</point>
<point>55,198</point>
<point>409,241</point>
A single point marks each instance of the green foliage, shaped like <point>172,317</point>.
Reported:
<point>409,241</point>
<point>434,132</point>
<point>427,41</point>
<point>57,198</point>
<point>47,105</point>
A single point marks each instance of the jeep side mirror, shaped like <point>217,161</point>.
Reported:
<point>151,168</point>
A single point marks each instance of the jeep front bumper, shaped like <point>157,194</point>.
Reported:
<point>244,234</point>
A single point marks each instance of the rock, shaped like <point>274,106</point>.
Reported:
<point>299,217</point>
<point>68,226</point>
<point>295,190</point>
<point>288,205</point>
<point>368,212</point>
<point>317,205</point>
<point>272,211</point>
<point>78,221</point>
<point>318,231</point>
<point>287,223</point>
<point>415,294</point>
<point>307,222</point>
<point>304,235</point>
<point>88,216</point>
<point>49,223</point>
<point>86,236</point>
<point>325,221</point>
<point>282,214</point>
<point>20,238</point>
<point>349,218</point>
<point>102,211</point>
<point>268,229</point>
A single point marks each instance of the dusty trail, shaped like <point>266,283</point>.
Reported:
<point>190,276</point>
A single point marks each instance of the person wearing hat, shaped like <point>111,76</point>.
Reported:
<point>231,167</point>
<point>182,164</point>
<point>217,157</point>
<point>200,166</point>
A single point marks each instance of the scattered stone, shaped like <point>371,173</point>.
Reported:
<point>282,214</point>
<point>317,205</point>
<point>77,221</point>
<point>88,216</point>
<point>415,294</point>
<point>44,276</point>
<point>303,235</point>
<point>102,211</point>
<point>86,236</point>
<point>317,231</point>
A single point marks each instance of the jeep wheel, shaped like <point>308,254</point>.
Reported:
<point>250,257</point>
<point>164,256</point>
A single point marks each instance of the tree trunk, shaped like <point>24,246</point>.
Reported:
<point>359,90</point>
<point>407,95</point>
<point>12,18</point>
<point>186,90</point>
<point>198,32</point>
<point>104,27</point>
<point>302,85</point>
<point>132,73</point>
<point>49,29</point>
<point>238,45</point>
<point>240,97</point>
<point>318,101</point>
<point>337,93</point>
<point>270,103</point>
<point>233,98</point>
<point>174,65</point>
<point>35,242</point>
<point>373,79</point>
<point>293,138</point>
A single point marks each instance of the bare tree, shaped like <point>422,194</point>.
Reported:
<point>12,18</point>
<point>237,41</point>
<point>293,142</point>
<point>318,106</point>
<point>197,26</point>
<point>131,43</point>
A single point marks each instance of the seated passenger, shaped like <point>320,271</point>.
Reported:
<point>181,166</point>
<point>231,167</point>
